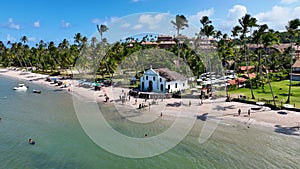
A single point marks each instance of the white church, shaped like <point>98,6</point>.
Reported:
<point>162,80</point>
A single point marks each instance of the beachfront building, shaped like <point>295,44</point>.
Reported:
<point>296,71</point>
<point>165,41</point>
<point>162,80</point>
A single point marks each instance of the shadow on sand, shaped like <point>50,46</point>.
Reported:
<point>282,112</point>
<point>175,104</point>
<point>295,131</point>
<point>202,117</point>
<point>223,108</point>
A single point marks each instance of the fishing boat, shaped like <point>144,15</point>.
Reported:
<point>21,87</point>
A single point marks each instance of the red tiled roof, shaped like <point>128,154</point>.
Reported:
<point>252,75</point>
<point>149,43</point>
<point>243,68</point>
<point>236,81</point>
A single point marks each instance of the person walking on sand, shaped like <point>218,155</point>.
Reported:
<point>160,114</point>
<point>239,112</point>
<point>248,112</point>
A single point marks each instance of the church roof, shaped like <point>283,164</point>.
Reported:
<point>169,75</point>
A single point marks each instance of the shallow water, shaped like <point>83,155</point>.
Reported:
<point>50,119</point>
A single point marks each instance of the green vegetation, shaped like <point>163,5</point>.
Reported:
<point>280,90</point>
<point>257,48</point>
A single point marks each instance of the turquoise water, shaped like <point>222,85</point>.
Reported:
<point>50,119</point>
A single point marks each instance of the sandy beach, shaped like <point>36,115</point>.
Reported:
<point>284,120</point>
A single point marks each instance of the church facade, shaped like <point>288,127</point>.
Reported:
<point>162,81</point>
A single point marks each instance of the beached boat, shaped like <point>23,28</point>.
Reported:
<point>36,91</point>
<point>21,87</point>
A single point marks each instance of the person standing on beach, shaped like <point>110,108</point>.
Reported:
<point>239,112</point>
<point>248,112</point>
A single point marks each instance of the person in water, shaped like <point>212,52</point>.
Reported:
<point>30,141</point>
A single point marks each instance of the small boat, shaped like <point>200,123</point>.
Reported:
<point>21,87</point>
<point>36,91</point>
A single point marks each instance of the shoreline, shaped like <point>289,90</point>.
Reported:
<point>285,122</point>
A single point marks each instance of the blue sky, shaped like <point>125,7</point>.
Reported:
<point>61,19</point>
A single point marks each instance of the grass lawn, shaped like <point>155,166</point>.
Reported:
<point>280,90</point>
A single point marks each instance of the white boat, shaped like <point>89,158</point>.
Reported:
<point>21,87</point>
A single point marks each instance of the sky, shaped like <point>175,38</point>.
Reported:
<point>55,20</point>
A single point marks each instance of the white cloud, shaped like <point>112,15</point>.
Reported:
<point>37,24</point>
<point>237,12</point>
<point>96,21</point>
<point>65,24</point>
<point>278,17</point>
<point>32,39</point>
<point>10,38</point>
<point>125,25</point>
<point>151,21</point>
<point>12,25</point>
<point>234,14</point>
<point>288,1</point>
<point>105,21</point>
<point>137,27</point>
<point>195,19</point>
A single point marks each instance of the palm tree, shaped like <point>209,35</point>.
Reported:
<point>225,51</point>
<point>257,35</point>
<point>235,31</point>
<point>101,29</point>
<point>293,30</point>
<point>179,24</point>
<point>207,30</point>
<point>247,22</point>
<point>24,39</point>
<point>269,39</point>
<point>94,40</point>
<point>78,40</point>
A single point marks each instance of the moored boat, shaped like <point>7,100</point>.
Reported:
<point>21,87</point>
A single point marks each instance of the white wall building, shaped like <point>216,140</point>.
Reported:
<point>162,80</point>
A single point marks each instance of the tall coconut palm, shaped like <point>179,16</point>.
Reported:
<point>293,30</point>
<point>24,39</point>
<point>269,39</point>
<point>101,29</point>
<point>207,31</point>
<point>247,22</point>
<point>78,40</point>
<point>225,51</point>
<point>235,31</point>
<point>257,34</point>
<point>180,23</point>
<point>94,41</point>
<point>20,53</point>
